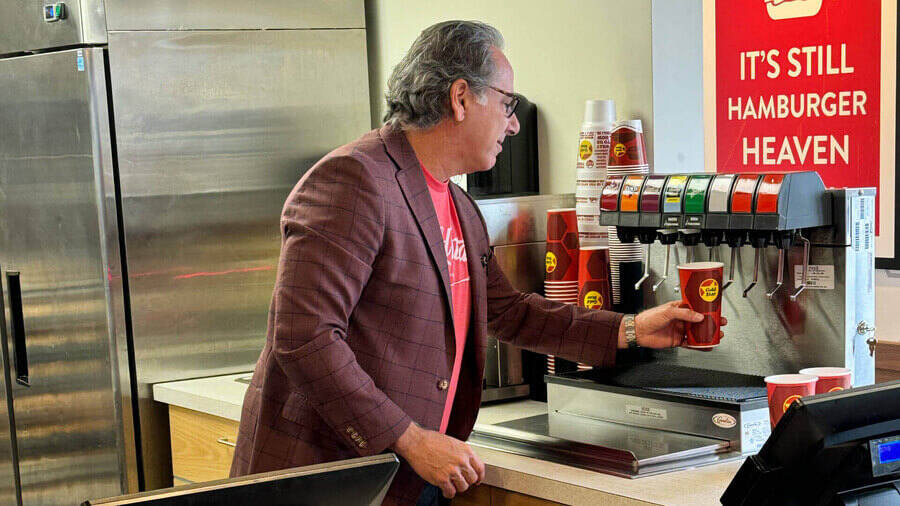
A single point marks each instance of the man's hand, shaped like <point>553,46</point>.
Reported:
<point>441,460</point>
<point>663,326</point>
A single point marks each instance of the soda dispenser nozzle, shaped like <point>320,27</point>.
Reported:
<point>668,237</point>
<point>690,238</point>
<point>712,239</point>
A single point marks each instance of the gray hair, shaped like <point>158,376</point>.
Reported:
<point>419,86</point>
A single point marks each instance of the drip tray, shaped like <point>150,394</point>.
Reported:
<point>607,447</point>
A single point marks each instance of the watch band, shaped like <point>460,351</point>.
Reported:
<point>630,335</point>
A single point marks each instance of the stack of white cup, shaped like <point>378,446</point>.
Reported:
<point>625,252</point>
<point>590,169</point>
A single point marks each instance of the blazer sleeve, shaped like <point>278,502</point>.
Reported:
<point>532,322</point>
<point>332,226</point>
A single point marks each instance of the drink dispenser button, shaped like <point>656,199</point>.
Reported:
<point>695,200</point>
<point>742,196</point>
<point>672,200</point>
<point>631,190</point>
<point>720,193</point>
<point>767,195</point>
<point>651,196</point>
<point>609,201</point>
<point>609,198</point>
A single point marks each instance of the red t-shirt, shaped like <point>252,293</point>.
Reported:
<point>458,266</point>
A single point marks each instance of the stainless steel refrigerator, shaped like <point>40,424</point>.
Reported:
<point>146,149</point>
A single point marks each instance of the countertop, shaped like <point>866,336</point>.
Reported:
<point>222,396</point>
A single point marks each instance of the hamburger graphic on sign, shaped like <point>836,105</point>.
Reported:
<point>789,9</point>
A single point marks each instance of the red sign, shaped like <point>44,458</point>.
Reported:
<point>797,88</point>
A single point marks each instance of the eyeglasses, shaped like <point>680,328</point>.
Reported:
<point>511,105</point>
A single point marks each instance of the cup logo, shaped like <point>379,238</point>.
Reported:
<point>593,300</point>
<point>550,261</point>
<point>709,289</point>
<point>788,402</point>
<point>585,149</point>
<point>619,150</point>
<point>836,389</point>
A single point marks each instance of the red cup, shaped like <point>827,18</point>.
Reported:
<point>783,389</point>
<point>626,144</point>
<point>561,260</point>
<point>594,290</point>
<point>831,379</point>
<point>701,291</point>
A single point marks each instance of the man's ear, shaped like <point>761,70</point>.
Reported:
<point>458,99</point>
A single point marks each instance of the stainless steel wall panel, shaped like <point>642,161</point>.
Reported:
<point>213,130</point>
<point>133,15</point>
<point>22,25</point>
<point>69,437</point>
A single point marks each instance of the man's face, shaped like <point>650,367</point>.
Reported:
<point>486,124</point>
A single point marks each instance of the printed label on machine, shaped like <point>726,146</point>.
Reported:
<point>645,411</point>
<point>818,277</point>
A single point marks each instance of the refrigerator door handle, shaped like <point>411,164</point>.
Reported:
<point>7,376</point>
<point>20,358</point>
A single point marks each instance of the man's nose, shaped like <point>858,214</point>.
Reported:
<point>512,126</point>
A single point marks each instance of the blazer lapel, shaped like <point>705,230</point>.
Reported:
<point>415,191</point>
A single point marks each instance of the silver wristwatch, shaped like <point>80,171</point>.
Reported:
<point>630,335</point>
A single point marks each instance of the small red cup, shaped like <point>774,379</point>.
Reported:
<point>594,290</point>
<point>831,379</point>
<point>783,389</point>
<point>561,259</point>
<point>701,291</point>
<point>626,144</point>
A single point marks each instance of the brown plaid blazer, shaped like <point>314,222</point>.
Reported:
<point>360,332</point>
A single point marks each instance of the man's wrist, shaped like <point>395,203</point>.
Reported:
<point>407,439</point>
<point>628,323</point>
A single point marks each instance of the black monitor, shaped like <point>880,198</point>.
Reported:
<point>363,481</point>
<point>836,448</point>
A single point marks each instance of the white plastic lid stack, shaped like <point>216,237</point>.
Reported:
<point>599,111</point>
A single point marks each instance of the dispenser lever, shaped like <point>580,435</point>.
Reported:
<point>780,280</point>
<point>665,273</point>
<point>637,286</point>
<point>805,268</point>
<point>730,269</point>
<point>759,252</point>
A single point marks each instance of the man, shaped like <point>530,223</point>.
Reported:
<point>387,287</point>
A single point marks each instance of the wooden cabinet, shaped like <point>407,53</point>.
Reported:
<point>202,445</point>
<point>485,495</point>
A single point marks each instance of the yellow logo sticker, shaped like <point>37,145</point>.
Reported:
<point>585,149</point>
<point>550,261</point>
<point>593,300</point>
<point>788,402</point>
<point>619,150</point>
<point>709,289</point>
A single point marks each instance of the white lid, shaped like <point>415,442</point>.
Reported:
<point>790,379</point>
<point>593,247</point>
<point>561,210</point>
<point>634,124</point>
<point>826,372</point>
<point>701,265</point>
<point>599,111</point>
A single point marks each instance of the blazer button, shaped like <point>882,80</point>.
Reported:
<point>443,384</point>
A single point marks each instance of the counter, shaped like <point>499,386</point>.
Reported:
<point>222,396</point>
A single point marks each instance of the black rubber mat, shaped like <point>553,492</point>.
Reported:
<point>700,383</point>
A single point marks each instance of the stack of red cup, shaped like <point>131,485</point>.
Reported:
<point>561,261</point>
<point>627,156</point>
<point>593,278</point>
<point>784,389</point>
